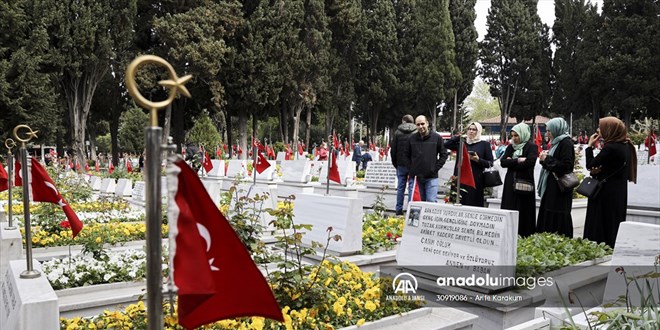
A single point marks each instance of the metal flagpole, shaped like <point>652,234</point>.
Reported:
<point>9,143</point>
<point>458,178</point>
<point>30,272</point>
<point>153,136</point>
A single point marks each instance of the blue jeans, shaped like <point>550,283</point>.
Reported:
<point>428,189</point>
<point>402,177</point>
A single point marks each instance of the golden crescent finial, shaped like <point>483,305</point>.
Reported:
<point>10,144</point>
<point>29,135</point>
<point>175,85</point>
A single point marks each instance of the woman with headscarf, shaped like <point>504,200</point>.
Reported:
<point>481,156</point>
<point>555,210</point>
<point>617,163</point>
<point>519,159</point>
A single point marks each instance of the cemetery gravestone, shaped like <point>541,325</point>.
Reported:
<point>27,304</point>
<point>95,183</point>
<point>218,168</point>
<point>346,172</point>
<point>380,174</point>
<point>343,214</point>
<point>267,174</point>
<point>108,185</point>
<point>138,191</point>
<point>236,168</point>
<point>280,156</point>
<point>635,251</point>
<point>296,170</point>
<point>124,187</point>
<point>459,238</point>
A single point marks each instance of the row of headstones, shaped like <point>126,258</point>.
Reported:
<point>121,187</point>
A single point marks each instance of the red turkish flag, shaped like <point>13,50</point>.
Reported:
<point>209,260</point>
<point>288,152</point>
<point>335,142</point>
<point>538,140</point>
<point>44,190</point>
<point>4,178</point>
<point>416,197</point>
<point>208,166</point>
<point>96,167</point>
<point>77,166</point>
<point>18,179</point>
<point>129,166</point>
<point>262,163</point>
<point>300,149</point>
<point>111,167</point>
<point>218,153</point>
<point>467,178</point>
<point>86,167</point>
<point>334,169</point>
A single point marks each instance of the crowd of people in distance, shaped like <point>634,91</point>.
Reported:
<point>418,154</point>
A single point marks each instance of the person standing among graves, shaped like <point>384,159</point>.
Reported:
<point>617,163</point>
<point>519,159</point>
<point>650,143</point>
<point>399,145</point>
<point>357,155</point>
<point>427,154</point>
<point>555,211</point>
<point>481,157</point>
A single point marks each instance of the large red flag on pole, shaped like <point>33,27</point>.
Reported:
<point>4,178</point>
<point>111,167</point>
<point>262,163</point>
<point>209,259</point>
<point>44,190</point>
<point>467,178</point>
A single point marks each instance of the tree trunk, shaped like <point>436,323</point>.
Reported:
<point>308,129</point>
<point>242,133</point>
<point>229,129</point>
<point>92,144</point>
<point>167,123</point>
<point>329,121</point>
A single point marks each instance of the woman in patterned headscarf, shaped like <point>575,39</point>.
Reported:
<point>555,210</point>
<point>617,163</point>
<point>519,159</point>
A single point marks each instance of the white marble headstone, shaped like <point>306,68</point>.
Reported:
<point>236,168</point>
<point>218,168</point>
<point>343,214</point>
<point>380,174</point>
<point>27,304</point>
<point>108,185</point>
<point>636,250</point>
<point>296,170</point>
<point>346,171</point>
<point>267,174</point>
<point>95,182</point>
<point>280,156</point>
<point>214,189</point>
<point>138,191</point>
<point>458,236</point>
<point>124,187</point>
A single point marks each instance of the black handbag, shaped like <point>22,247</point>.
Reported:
<point>567,182</point>
<point>492,177</point>
<point>589,187</point>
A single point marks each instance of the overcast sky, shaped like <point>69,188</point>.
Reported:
<point>546,10</point>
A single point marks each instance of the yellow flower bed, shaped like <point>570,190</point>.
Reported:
<point>96,206</point>
<point>108,233</point>
<point>350,297</point>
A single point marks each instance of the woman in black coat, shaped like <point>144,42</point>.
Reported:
<point>616,162</point>
<point>556,205</point>
<point>481,157</point>
<point>519,159</point>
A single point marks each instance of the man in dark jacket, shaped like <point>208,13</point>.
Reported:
<point>427,155</point>
<point>399,145</point>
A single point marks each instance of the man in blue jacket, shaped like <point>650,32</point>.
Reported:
<point>427,154</point>
<point>357,155</point>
